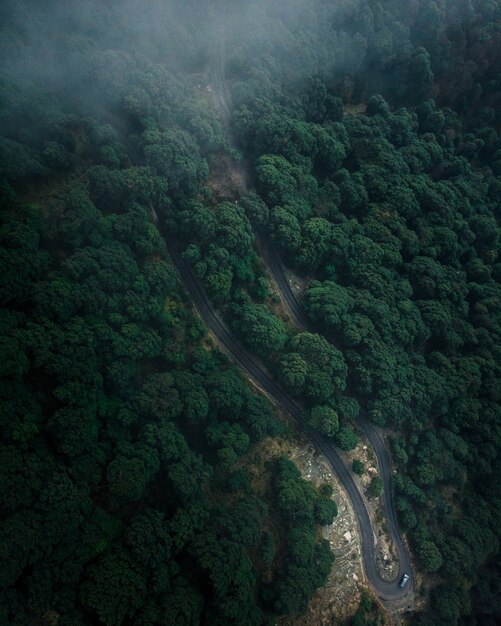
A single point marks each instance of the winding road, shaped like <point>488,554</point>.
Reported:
<point>373,434</point>
<point>385,590</point>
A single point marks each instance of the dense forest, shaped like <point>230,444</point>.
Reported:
<point>366,136</point>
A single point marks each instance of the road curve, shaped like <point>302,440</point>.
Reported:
<point>274,264</point>
<point>385,590</point>
<point>373,434</point>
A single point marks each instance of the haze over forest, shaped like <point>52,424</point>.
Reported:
<point>232,229</point>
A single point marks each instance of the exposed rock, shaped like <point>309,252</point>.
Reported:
<point>338,600</point>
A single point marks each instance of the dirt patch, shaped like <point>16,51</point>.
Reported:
<point>298,284</point>
<point>226,179</point>
<point>355,109</point>
<point>274,300</point>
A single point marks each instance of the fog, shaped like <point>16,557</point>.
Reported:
<point>47,41</point>
<point>67,46</point>
<point>90,52</point>
<point>186,188</point>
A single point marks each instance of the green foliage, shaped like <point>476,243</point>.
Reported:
<point>429,555</point>
<point>399,240</point>
<point>368,613</point>
<point>280,181</point>
<point>115,588</point>
<point>345,438</point>
<point>174,155</point>
<point>358,467</point>
<point>293,371</point>
<point>296,497</point>
<point>315,240</point>
<point>325,511</point>
<point>328,302</point>
<point>324,419</point>
<point>326,368</point>
<point>233,230</point>
<point>306,564</point>
<point>231,441</point>
<point>392,214</point>
<point>268,549</point>
<point>255,209</point>
<point>129,477</point>
<point>285,229</point>
<point>375,488</point>
<point>260,329</point>
<point>107,397</point>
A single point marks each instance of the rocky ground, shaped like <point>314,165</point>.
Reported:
<point>338,599</point>
<point>387,562</point>
<point>298,284</point>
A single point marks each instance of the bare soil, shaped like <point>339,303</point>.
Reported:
<point>226,180</point>
<point>298,284</point>
<point>355,109</point>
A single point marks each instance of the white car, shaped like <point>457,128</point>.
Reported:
<point>404,581</point>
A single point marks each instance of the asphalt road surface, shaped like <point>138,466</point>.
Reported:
<point>374,435</point>
<point>386,591</point>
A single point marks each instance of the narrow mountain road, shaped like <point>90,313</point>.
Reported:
<point>373,434</point>
<point>386,590</point>
<point>275,267</point>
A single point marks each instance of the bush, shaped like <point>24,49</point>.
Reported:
<point>358,467</point>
